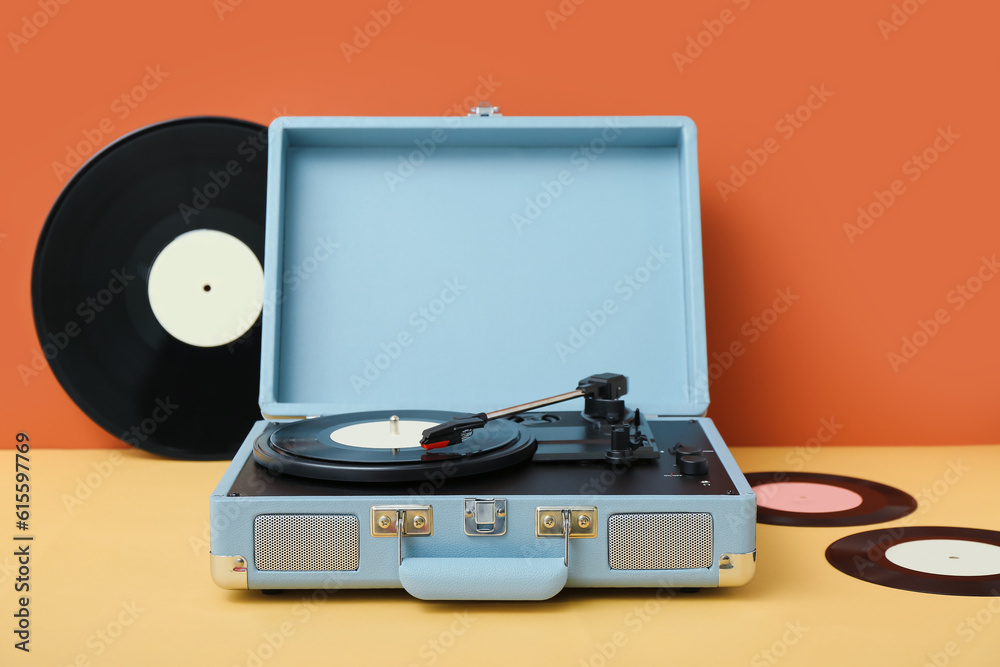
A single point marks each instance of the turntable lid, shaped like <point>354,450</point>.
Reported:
<point>468,264</point>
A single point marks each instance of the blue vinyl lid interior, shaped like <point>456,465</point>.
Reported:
<point>470,264</point>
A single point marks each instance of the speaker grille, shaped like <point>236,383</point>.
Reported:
<point>665,541</point>
<point>305,542</point>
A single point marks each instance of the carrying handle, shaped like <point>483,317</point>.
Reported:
<point>483,578</point>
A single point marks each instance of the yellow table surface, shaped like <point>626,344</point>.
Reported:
<point>119,576</point>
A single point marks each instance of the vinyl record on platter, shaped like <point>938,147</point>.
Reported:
<point>147,286</point>
<point>925,559</point>
<point>384,446</point>
<point>818,500</point>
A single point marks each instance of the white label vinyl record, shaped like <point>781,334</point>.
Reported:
<point>382,434</point>
<point>206,288</point>
<point>124,259</point>
<point>943,560</point>
<point>954,558</point>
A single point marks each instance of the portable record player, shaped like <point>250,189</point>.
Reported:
<point>421,274</point>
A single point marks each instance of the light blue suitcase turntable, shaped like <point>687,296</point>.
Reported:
<point>422,269</point>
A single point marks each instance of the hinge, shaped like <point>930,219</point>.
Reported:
<point>485,109</point>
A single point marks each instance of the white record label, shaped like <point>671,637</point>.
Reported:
<point>954,558</point>
<point>382,434</point>
<point>206,288</point>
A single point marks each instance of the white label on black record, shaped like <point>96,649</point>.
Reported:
<point>206,288</point>
<point>382,434</point>
<point>954,558</point>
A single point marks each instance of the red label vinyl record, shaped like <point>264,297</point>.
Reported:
<point>818,500</point>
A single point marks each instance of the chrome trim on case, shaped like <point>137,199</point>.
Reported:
<point>737,569</point>
<point>229,572</point>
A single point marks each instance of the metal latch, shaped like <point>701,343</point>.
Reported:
<point>485,516</point>
<point>485,109</point>
<point>399,520</point>
<point>566,522</point>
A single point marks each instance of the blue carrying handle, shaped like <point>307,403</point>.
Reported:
<point>483,578</point>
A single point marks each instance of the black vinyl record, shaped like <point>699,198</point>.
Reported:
<point>192,185</point>
<point>317,449</point>
<point>925,559</point>
<point>872,502</point>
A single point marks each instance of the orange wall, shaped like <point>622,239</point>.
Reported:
<point>886,93</point>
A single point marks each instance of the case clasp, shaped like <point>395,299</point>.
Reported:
<point>485,516</point>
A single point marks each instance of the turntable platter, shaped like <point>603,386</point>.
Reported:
<point>384,446</point>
